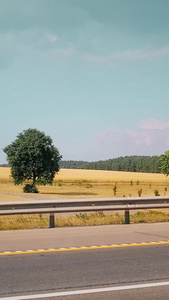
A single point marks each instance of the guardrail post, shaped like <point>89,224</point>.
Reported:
<point>127,217</point>
<point>52,220</point>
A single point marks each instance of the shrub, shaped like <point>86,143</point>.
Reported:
<point>140,192</point>
<point>156,193</point>
<point>88,185</point>
<point>115,190</point>
<point>30,188</point>
<point>82,216</point>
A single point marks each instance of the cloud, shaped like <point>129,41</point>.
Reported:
<point>52,37</point>
<point>31,44</point>
<point>40,43</point>
<point>129,55</point>
<point>151,137</point>
<point>151,124</point>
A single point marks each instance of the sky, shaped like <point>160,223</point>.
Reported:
<point>93,75</point>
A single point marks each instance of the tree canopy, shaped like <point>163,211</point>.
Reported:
<point>32,156</point>
<point>146,164</point>
<point>164,159</point>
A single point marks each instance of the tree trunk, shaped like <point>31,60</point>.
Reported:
<point>34,178</point>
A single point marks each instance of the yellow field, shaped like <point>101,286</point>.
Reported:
<point>96,176</point>
<point>5,175</point>
<point>99,176</point>
<point>76,184</point>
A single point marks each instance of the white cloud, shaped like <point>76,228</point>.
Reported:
<point>31,44</point>
<point>151,137</point>
<point>128,55</point>
<point>151,124</point>
<point>54,54</point>
<point>41,44</point>
<point>52,37</point>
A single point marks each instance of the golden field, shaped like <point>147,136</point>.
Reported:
<point>95,176</point>
<point>100,176</point>
<point>73,183</point>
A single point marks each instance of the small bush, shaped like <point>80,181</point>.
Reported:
<point>140,192</point>
<point>88,185</point>
<point>30,188</point>
<point>100,214</point>
<point>115,190</point>
<point>156,193</point>
<point>82,216</point>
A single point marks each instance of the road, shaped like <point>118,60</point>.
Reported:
<point>68,270</point>
<point>82,236</point>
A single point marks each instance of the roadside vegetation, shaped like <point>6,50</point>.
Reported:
<point>82,219</point>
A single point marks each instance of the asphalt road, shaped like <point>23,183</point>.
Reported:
<point>47,273</point>
<point>82,236</point>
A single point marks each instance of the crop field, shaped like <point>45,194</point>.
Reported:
<point>85,184</point>
<point>95,176</point>
<point>73,183</point>
<point>100,176</point>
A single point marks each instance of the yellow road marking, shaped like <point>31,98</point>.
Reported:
<point>84,248</point>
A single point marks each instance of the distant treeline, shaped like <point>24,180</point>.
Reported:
<point>145,164</point>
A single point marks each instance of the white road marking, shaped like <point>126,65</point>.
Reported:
<point>89,291</point>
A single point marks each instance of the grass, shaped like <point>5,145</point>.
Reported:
<point>85,184</point>
<point>23,222</point>
<point>82,219</point>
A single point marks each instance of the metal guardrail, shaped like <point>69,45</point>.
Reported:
<point>53,207</point>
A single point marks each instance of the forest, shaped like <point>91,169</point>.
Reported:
<point>145,164</point>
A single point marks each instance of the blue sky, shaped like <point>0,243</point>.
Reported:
<point>91,74</point>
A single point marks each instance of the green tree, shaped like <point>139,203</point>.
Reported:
<point>32,156</point>
<point>164,160</point>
